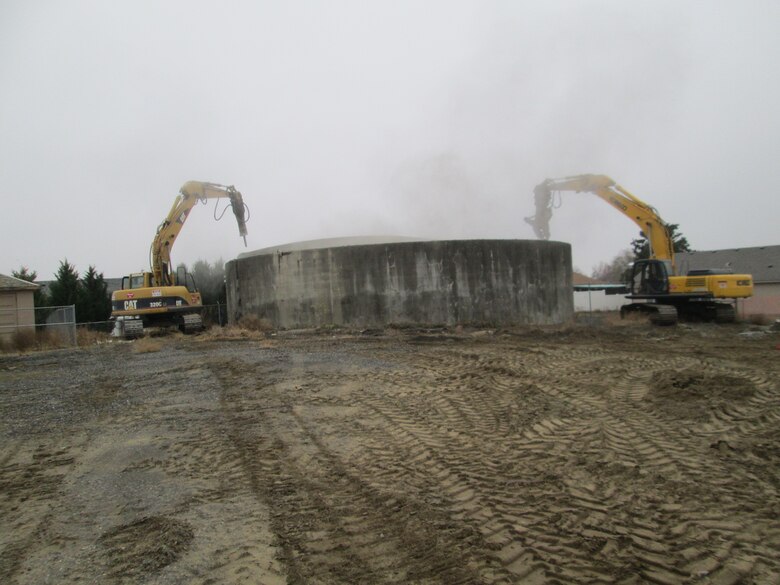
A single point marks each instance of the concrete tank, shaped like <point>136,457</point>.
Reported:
<point>365,284</point>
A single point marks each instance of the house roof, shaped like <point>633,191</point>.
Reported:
<point>578,278</point>
<point>586,283</point>
<point>10,283</point>
<point>762,262</point>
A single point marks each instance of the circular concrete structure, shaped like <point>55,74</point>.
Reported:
<point>365,282</point>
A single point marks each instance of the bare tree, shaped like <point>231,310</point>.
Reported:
<point>616,270</point>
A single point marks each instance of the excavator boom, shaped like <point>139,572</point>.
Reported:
<point>642,214</point>
<point>189,195</point>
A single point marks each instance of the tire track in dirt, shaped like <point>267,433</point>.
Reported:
<point>51,406</point>
<point>519,562</point>
<point>683,445</point>
<point>232,540</point>
<point>329,520</point>
<point>518,459</point>
<point>654,442</point>
<point>30,480</point>
<point>467,490</point>
<point>432,438</point>
<point>468,480</point>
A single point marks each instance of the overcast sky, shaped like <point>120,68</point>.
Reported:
<point>416,118</point>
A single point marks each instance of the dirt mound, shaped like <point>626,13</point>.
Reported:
<point>146,546</point>
<point>692,394</point>
<point>691,384</point>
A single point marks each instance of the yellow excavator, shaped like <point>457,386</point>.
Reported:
<point>162,298</point>
<point>653,287</point>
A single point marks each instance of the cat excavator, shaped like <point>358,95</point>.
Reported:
<point>653,286</point>
<point>162,298</point>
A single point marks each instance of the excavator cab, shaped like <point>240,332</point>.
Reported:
<point>184,278</point>
<point>137,280</point>
<point>649,278</point>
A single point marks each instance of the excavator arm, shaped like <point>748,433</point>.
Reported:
<point>189,195</point>
<point>642,214</point>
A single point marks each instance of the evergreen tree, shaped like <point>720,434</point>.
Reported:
<point>66,288</point>
<point>641,246</point>
<point>210,280</point>
<point>26,274</point>
<point>95,303</point>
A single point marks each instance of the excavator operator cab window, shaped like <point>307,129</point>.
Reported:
<point>133,281</point>
<point>181,276</point>
<point>649,278</point>
<point>191,283</point>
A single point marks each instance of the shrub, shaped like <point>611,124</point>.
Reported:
<point>86,336</point>
<point>255,323</point>
<point>146,345</point>
<point>30,340</point>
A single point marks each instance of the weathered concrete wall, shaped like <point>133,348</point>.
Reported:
<point>461,281</point>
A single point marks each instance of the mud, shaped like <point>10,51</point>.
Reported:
<point>145,546</point>
<point>591,454</point>
<point>697,394</point>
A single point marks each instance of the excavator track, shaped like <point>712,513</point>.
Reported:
<point>191,323</point>
<point>725,313</point>
<point>132,328</point>
<point>709,312</point>
<point>655,313</point>
<point>663,315</point>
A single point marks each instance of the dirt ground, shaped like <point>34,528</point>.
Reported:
<point>599,453</point>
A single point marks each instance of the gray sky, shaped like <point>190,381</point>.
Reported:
<point>420,118</point>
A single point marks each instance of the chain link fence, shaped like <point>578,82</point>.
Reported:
<point>26,328</point>
<point>51,327</point>
<point>215,315</point>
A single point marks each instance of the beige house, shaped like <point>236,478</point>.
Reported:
<point>762,262</point>
<point>16,306</point>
